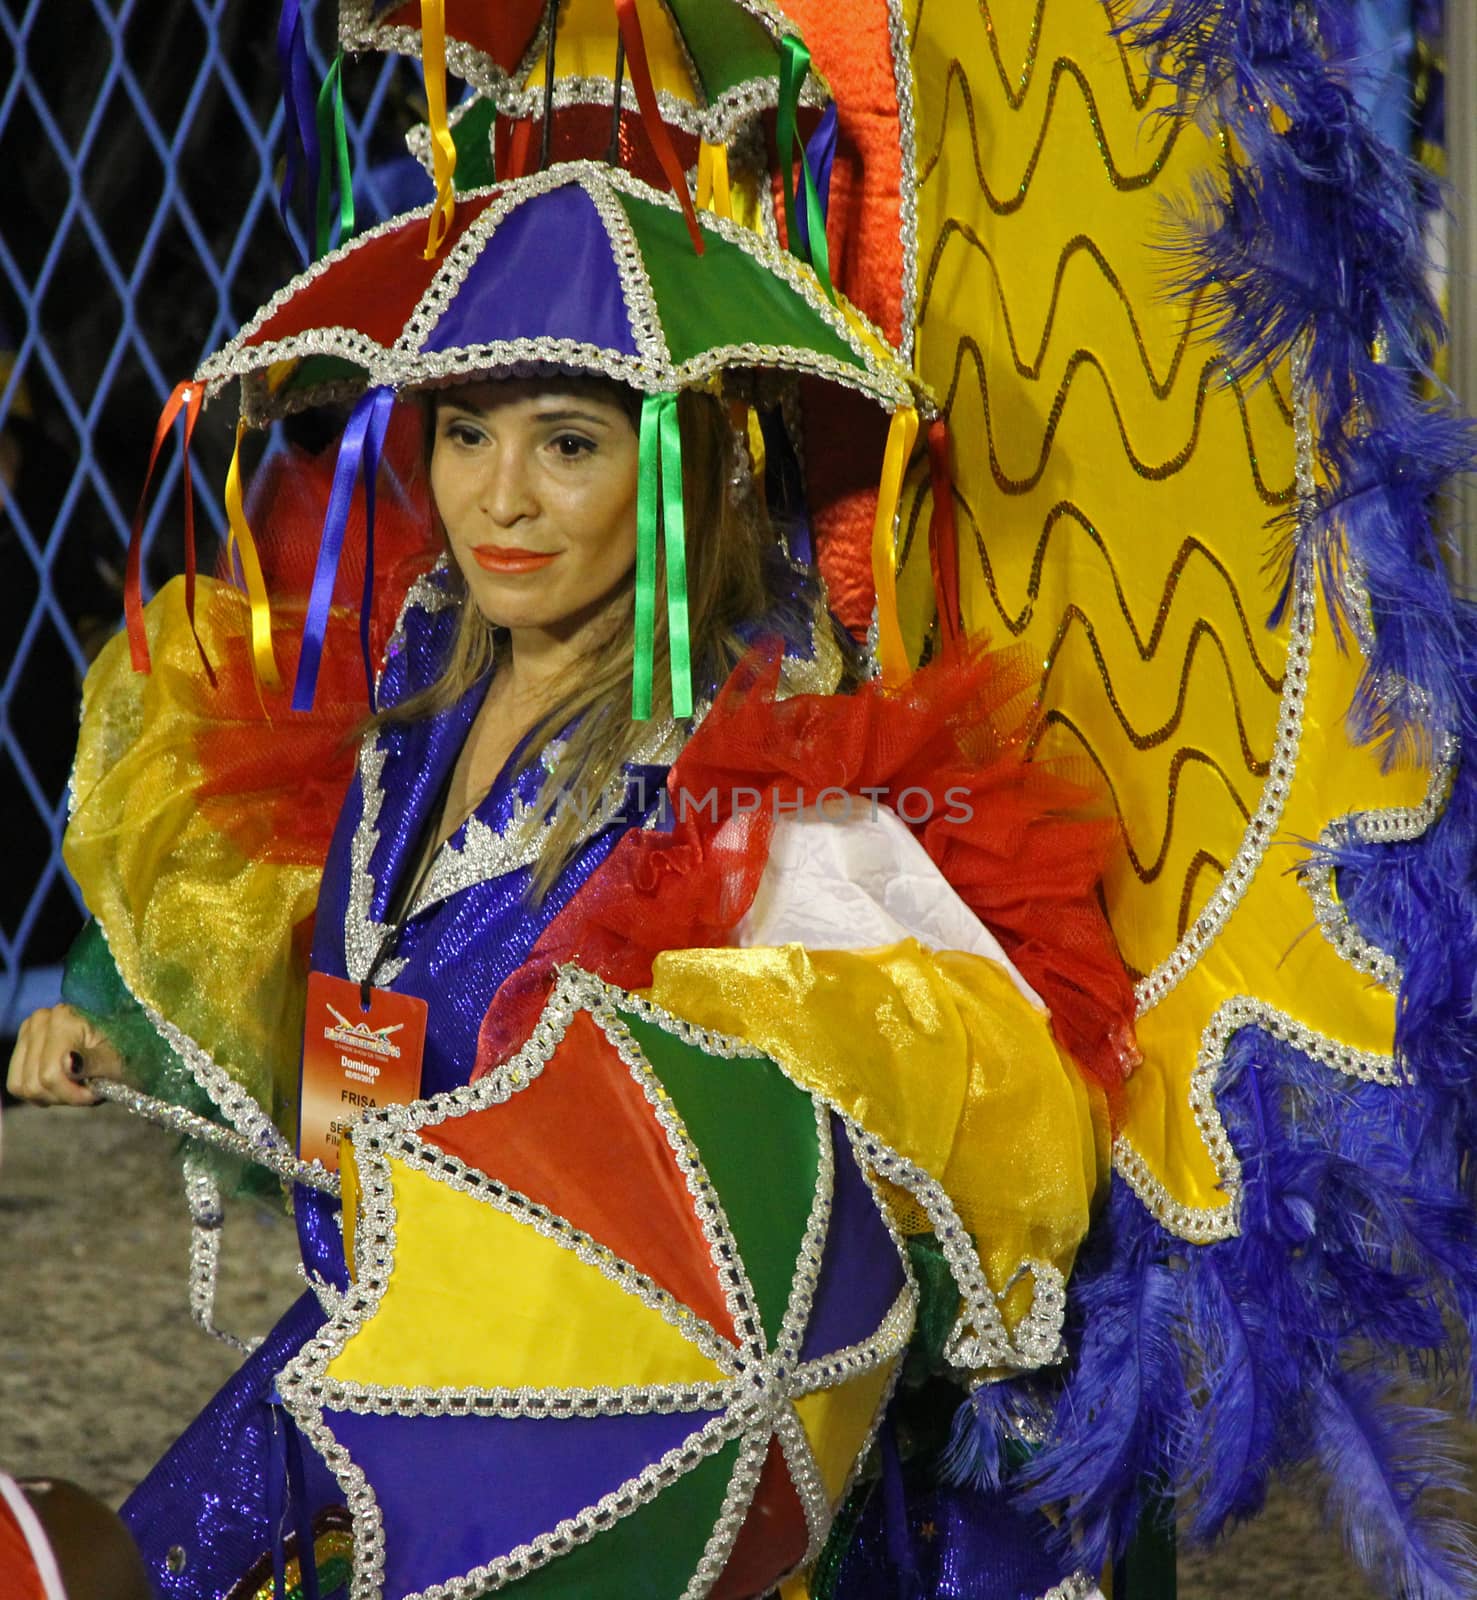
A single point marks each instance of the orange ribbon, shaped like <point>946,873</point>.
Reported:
<point>189,398</point>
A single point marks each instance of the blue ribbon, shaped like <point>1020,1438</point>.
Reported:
<point>364,438</point>
<point>820,154</point>
<point>299,104</point>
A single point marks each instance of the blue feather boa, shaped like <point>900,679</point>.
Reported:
<point>1199,1372</point>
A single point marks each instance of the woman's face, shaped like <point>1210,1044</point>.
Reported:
<point>536,486</point>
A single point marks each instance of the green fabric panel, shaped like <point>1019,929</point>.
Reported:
<point>727,45</point>
<point>755,1132</point>
<point>314,370</point>
<point>653,1551</point>
<point>472,137</point>
<point>91,984</point>
<point>723,296</point>
<point>938,1309</point>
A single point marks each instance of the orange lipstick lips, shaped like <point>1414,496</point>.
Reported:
<point>510,558</point>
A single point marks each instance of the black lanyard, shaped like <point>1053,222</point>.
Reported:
<point>402,898</point>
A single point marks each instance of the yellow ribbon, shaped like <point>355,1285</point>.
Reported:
<point>443,147</point>
<point>242,544</point>
<point>713,191</point>
<point>901,433</point>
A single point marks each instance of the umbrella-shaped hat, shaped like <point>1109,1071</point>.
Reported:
<point>628,299</point>
<point>581,269</point>
<point>714,64</point>
<point>624,1317</point>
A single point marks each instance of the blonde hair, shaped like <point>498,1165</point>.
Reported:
<point>725,588</point>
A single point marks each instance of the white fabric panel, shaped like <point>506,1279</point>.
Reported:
<point>858,880</point>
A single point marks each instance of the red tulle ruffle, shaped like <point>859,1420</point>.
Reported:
<point>949,746</point>
<point>275,778</point>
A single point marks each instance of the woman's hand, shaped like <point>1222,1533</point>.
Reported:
<point>56,1050</point>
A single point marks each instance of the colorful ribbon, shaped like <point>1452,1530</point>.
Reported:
<point>297,104</point>
<point>943,537</point>
<point>241,547</point>
<point>819,157</point>
<point>656,129</point>
<point>359,450</point>
<point>333,135</point>
<point>443,146</point>
<point>189,398</point>
<point>659,497</point>
<point>714,192</point>
<point>794,67</point>
<point>901,433</point>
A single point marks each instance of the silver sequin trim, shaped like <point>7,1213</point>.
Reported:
<point>716,121</point>
<point>902,69</point>
<point>275,1157</point>
<point>756,1395</point>
<point>207,1219</point>
<point>1262,828</point>
<point>1204,1225</point>
<point>408,365</point>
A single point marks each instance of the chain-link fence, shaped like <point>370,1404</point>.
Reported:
<point>141,153</point>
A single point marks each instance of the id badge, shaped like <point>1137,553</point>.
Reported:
<point>355,1059</point>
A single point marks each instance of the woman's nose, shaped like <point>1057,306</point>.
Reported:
<point>507,494</point>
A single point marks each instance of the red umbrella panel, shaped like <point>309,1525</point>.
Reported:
<point>625,1316</point>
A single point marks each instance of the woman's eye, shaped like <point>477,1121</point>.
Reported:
<point>572,445</point>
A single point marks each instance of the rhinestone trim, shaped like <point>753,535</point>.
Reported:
<point>275,1157</point>
<point>207,1219</point>
<point>240,1109</point>
<point>755,1395</point>
<point>717,121</point>
<point>1262,828</point>
<point>1205,1225</point>
<point>979,1339</point>
<point>902,69</point>
<point>407,364</point>
<point>1386,826</point>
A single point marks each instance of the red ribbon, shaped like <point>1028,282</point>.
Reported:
<point>656,129</point>
<point>187,397</point>
<point>943,537</point>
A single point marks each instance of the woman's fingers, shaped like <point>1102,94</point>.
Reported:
<point>56,1050</point>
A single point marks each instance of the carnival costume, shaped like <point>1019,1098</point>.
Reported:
<point>762,1098</point>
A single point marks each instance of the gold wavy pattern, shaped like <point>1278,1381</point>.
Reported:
<point>1199,629</point>
<point>1224,503</point>
<point>1145,873</point>
<point>1078,244</point>
<point>1060,68</point>
<point>1138,96</point>
<point>1086,358</point>
<point>1067,509</point>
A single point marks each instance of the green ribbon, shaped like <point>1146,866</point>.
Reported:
<point>333,135</point>
<point>794,68</point>
<point>659,499</point>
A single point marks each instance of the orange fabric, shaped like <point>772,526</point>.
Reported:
<point>582,1140</point>
<point>850,46</point>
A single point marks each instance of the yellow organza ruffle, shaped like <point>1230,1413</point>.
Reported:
<point>940,1056</point>
<point>183,842</point>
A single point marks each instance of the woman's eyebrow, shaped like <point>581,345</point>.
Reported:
<point>565,415</point>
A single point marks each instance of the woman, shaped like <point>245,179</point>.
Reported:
<point>508,815</point>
